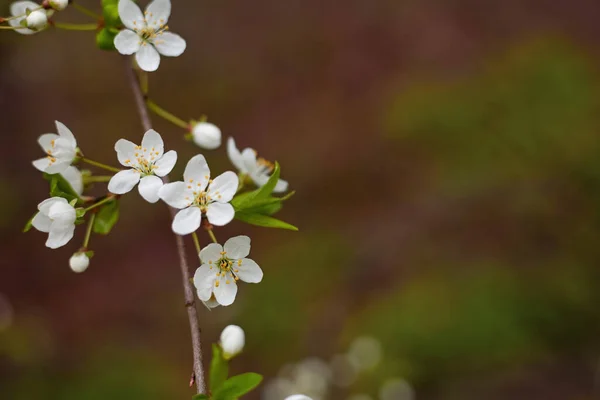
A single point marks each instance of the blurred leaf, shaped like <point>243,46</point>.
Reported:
<point>263,220</point>
<point>29,224</point>
<point>237,386</point>
<point>200,397</point>
<point>261,193</point>
<point>105,39</point>
<point>107,217</point>
<point>60,187</point>
<point>219,368</point>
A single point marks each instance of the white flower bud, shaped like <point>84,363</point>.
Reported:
<point>298,397</point>
<point>206,135</point>
<point>232,341</point>
<point>37,20</point>
<point>59,5</point>
<point>79,262</point>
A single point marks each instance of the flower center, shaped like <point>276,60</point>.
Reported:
<point>150,32</point>
<point>227,269</point>
<point>266,163</point>
<point>144,160</point>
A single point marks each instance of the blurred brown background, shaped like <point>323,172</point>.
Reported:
<point>446,160</point>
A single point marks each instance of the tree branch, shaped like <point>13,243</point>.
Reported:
<point>188,289</point>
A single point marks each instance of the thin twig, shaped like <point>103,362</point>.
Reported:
<point>188,290</point>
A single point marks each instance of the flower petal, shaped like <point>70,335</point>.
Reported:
<point>61,212</point>
<point>165,164</point>
<point>204,281</point>
<point>187,221</point>
<point>127,42</point>
<point>211,253</point>
<point>73,176</point>
<point>122,182</point>
<point>41,222</point>
<point>54,167</point>
<point>249,271</point>
<point>147,57</point>
<point>149,187</point>
<point>220,214</point>
<point>131,15</point>
<point>262,178</point>
<point>65,133</point>
<point>60,234</point>
<point>158,13</point>
<point>45,205</point>
<point>41,164</point>
<point>19,8</point>
<point>175,193</point>
<point>211,303</point>
<point>206,135</point>
<point>152,144</point>
<point>237,247</point>
<point>46,141</point>
<point>126,152</point>
<point>197,171</point>
<point>249,160</point>
<point>169,44</point>
<point>226,290</point>
<point>235,156</point>
<point>223,187</point>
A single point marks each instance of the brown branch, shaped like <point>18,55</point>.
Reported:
<point>188,290</point>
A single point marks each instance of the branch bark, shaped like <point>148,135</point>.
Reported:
<point>188,290</point>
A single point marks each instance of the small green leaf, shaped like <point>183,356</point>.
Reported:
<point>263,220</point>
<point>89,253</point>
<point>237,386</point>
<point>29,224</point>
<point>106,218</point>
<point>219,369</point>
<point>79,212</point>
<point>200,397</point>
<point>105,39</point>
<point>261,193</point>
<point>60,187</point>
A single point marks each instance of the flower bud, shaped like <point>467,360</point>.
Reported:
<point>59,5</point>
<point>232,341</point>
<point>79,262</point>
<point>298,397</point>
<point>206,135</point>
<point>37,20</point>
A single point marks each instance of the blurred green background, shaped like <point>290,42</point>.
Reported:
<point>446,160</point>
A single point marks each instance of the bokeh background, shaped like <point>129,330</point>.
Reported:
<point>446,160</point>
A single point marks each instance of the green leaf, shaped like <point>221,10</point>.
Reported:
<point>60,187</point>
<point>29,224</point>
<point>106,218</point>
<point>237,386</point>
<point>110,12</point>
<point>259,194</point>
<point>105,39</point>
<point>263,220</point>
<point>219,369</point>
<point>89,253</point>
<point>200,397</point>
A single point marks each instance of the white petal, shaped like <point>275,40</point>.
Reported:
<point>127,42</point>
<point>147,57</point>
<point>41,222</point>
<point>226,291</point>
<point>211,303</point>
<point>280,186</point>
<point>187,221</point>
<point>122,182</point>
<point>158,13</point>
<point>126,152</point>
<point>129,13</point>
<point>65,133</point>
<point>46,141</point>
<point>262,178</point>
<point>220,214</point>
<point>206,135</point>
<point>149,187</point>
<point>60,234</point>
<point>197,171</point>
<point>249,271</point>
<point>19,8</point>
<point>152,143</point>
<point>61,212</point>
<point>223,187</point>
<point>53,168</point>
<point>175,193</point>
<point>211,253</point>
<point>237,247</point>
<point>235,156</point>
<point>297,397</point>
<point>41,164</point>
<point>166,163</point>
<point>63,150</point>
<point>73,176</point>
<point>45,205</point>
<point>169,44</point>
<point>204,281</point>
<point>249,160</point>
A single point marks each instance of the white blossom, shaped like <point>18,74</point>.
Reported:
<point>147,163</point>
<point>57,218</point>
<point>59,5</point>
<point>79,262</point>
<point>222,267</point>
<point>298,397</point>
<point>258,169</point>
<point>75,179</point>
<point>146,34</point>
<point>60,149</point>
<point>20,9</point>
<point>206,135</point>
<point>199,194</point>
<point>232,341</point>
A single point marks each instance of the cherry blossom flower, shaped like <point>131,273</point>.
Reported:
<point>222,267</point>
<point>258,169</point>
<point>59,5</point>
<point>75,179</point>
<point>147,163</point>
<point>35,21</point>
<point>198,194</point>
<point>57,218</point>
<point>79,262</point>
<point>146,34</point>
<point>232,341</point>
<point>60,149</point>
<point>206,135</point>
